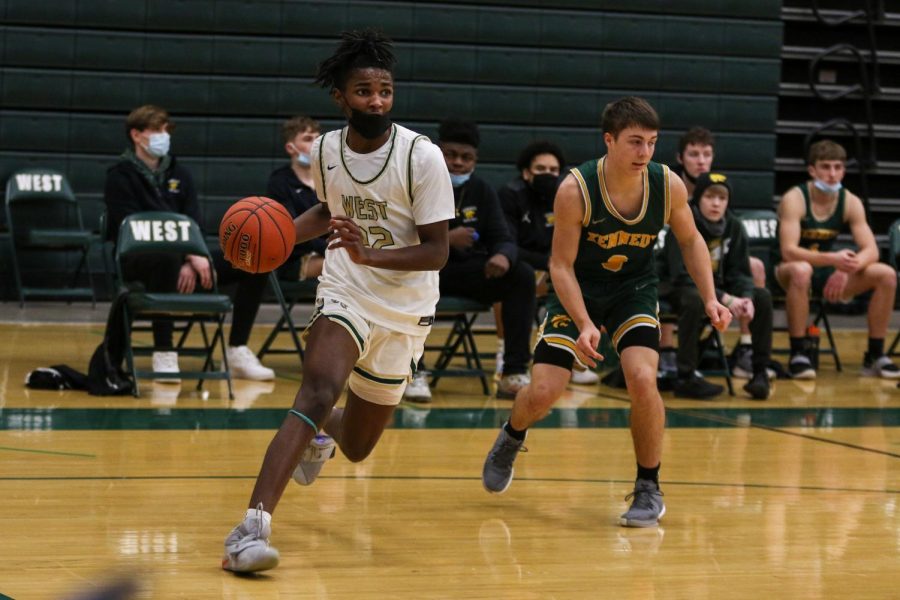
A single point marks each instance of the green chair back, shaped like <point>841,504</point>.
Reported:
<point>761,227</point>
<point>38,198</point>
<point>153,232</point>
<point>894,243</point>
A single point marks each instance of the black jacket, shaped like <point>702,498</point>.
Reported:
<point>730,255</point>
<point>477,206</point>
<point>530,220</point>
<point>128,191</point>
<point>297,197</point>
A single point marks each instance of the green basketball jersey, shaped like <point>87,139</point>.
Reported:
<point>820,235</point>
<point>613,248</point>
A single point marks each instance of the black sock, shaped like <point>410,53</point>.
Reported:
<point>648,473</point>
<point>876,347</point>
<point>514,433</point>
<point>798,344</point>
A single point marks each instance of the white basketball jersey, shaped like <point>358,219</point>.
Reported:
<point>387,193</point>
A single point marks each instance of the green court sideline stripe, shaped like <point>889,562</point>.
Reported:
<point>55,452</point>
<point>836,422</point>
<point>181,419</point>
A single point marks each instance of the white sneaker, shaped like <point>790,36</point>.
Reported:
<point>320,449</point>
<point>510,385</point>
<point>584,377</point>
<point>417,390</point>
<point>166,362</point>
<point>247,547</point>
<point>244,364</point>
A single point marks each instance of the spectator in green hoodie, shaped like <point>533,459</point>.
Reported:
<point>730,256</point>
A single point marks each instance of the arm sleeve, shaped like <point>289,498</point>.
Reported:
<point>432,194</point>
<point>495,230</point>
<point>538,260</point>
<point>120,199</point>
<point>278,189</point>
<point>191,203</point>
<point>738,278</point>
<point>511,211</point>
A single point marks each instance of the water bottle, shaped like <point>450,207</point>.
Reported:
<point>812,334</point>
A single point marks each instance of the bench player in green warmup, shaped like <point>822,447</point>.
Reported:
<point>609,212</point>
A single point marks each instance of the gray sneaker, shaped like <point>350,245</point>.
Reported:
<point>743,361</point>
<point>247,548</point>
<point>320,449</point>
<point>498,466</point>
<point>647,506</point>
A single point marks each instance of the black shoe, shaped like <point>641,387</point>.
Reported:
<point>800,367</point>
<point>697,388</point>
<point>742,361</point>
<point>758,386</point>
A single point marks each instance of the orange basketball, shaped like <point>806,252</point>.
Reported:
<point>257,234</point>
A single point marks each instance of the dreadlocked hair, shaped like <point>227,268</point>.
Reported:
<point>359,49</point>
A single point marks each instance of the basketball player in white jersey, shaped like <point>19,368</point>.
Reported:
<point>386,198</point>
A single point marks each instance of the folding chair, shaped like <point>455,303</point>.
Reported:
<point>288,294</point>
<point>162,232</point>
<point>461,313</point>
<point>761,227</point>
<point>43,216</point>
<point>668,315</point>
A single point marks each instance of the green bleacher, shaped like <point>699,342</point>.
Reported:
<point>230,71</point>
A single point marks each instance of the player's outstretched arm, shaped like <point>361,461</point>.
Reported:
<point>695,253</point>
<point>313,223</point>
<point>430,254</point>
<point>569,210</point>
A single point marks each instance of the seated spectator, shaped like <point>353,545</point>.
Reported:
<point>811,216</point>
<point>696,153</point>
<point>148,178</point>
<point>729,253</point>
<point>483,261</point>
<point>292,185</point>
<point>527,202</point>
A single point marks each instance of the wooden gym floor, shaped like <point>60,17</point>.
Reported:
<point>793,497</point>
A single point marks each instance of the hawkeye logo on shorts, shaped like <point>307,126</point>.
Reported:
<point>615,263</point>
<point>560,321</point>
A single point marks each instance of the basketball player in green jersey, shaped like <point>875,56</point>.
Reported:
<point>608,214</point>
<point>810,217</point>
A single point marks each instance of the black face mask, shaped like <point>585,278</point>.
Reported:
<point>369,125</point>
<point>544,185</point>
<point>708,229</point>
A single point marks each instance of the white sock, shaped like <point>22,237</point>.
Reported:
<point>746,338</point>
<point>501,346</point>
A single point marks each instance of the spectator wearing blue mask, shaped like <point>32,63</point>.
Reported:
<point>483,263</point>
<point>148,178</point>
<point>292,185</point>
